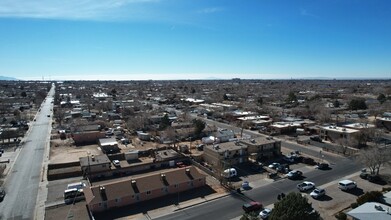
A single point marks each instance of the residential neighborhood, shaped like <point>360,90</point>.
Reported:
<point>180,145</point>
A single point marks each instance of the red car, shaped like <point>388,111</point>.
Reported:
<point>180,164</point>
<point>252,206</point>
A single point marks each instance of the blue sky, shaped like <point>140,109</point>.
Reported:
<point>198,39</point>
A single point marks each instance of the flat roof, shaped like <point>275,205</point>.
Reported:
<point>339,129</point>
<point>94,160</point>
<point>222,147</point>
<point>359,125</point>
<point>258,141</point>
<point>107,141</point>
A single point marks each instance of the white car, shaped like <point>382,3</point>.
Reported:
<point>317,193</point>
<point>294,174</point>
<point>116,163</point>
<point>265,213</point>
<point>305,186</point>
<point>274,165</point>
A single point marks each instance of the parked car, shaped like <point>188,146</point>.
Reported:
<point>294,174</point>
<point>322,166</point>
<point>180,164</point>
<point>305,186</point>
<point>364,175</point>
<point>317,193</point>
<point>245,185</point>
<point>347,185</point>
<point>289,158</point>
<point>116,163</point>
<point>373,178</point>
<point>274,165</point>
<point>264,214</point>
<point>283,168</point>
<point>316,138</point>
<point>309,161</point>
<point>228,173</point>
<point>2,194</point>
<point>252,206</point>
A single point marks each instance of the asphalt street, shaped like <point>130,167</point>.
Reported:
<point>23,179</point>
<point>230,207</point>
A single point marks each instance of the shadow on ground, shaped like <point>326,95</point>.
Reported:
<point>325,198</point>
<point>145,206</point>
<point>356,191</point>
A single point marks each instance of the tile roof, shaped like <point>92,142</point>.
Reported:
<point>117,189</point>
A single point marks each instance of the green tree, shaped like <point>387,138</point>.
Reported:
<point>250,216</point>
<point>165,122</point>
<point>23,94</point>
<point>294,206</point>
<point>357,104</point>
<point>260,101</point>
<point>292,97</point>
<point>381,98</point>
<point>336,103</point>
<point>372,196</point>
<point>199,126</point>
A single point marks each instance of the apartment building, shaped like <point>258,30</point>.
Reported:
<point>133,190</point>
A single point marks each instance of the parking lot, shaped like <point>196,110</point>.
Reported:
<point>336,200</point>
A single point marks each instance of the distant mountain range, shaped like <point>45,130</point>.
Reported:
<point>7,78</point>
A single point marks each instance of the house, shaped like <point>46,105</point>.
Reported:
<point>109,145</point>
<point>335,133</point>
<point>94,163</point>
<point>133,190</point>
<point>224,135</point>
<point>371,211</point>
<point>359,126</point>
<point>224,155</point>
<point>87,137</point>
<point>262,147</point>
<point>164,155</point>
<point>384,122</point>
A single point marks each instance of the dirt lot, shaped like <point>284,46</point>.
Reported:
<point>62,151</point>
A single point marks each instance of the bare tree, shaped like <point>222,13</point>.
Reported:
<point>374,158</point>
<point>59,115</point>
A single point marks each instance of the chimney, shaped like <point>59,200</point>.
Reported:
<point>92,157</point>
<point>134,186</point>
<point>102,191</point>
<point>187,171</point>
<point>164,179</point>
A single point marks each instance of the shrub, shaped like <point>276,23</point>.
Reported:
<point>354,205</point>
<point>372,196</point>
<point>341,216</point>
<point>386,189</point>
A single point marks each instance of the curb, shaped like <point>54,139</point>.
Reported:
<point>202,202</point>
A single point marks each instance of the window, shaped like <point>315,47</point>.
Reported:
<point>176,185</point>
<point>148,192</point>
<point>117,200</point>
<point>100,204</point>
<point>132,196</point>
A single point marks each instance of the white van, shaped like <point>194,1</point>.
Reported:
<point>228,173</point>
<point>347,185</point>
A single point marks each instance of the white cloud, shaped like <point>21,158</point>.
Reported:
<point>74,9</point>
<point>210,10</point>
<point>304,12</point>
